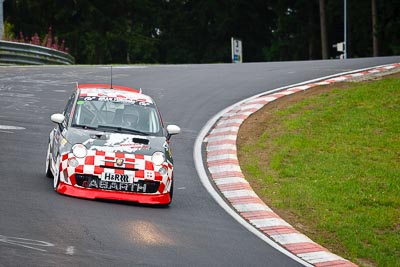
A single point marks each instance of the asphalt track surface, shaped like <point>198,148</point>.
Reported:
<point>39,227</point>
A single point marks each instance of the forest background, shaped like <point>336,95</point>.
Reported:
<point>200,31</point>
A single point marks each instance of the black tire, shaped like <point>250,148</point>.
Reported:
<point>56,179</point>
<point>49,174</point>
<point>171,192</point>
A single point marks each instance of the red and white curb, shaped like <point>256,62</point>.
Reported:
<point>225,173</point>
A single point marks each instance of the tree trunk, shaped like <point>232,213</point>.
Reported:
<point>374,29</point>
<point>311,30</point>
<point>349,31</point>
<point>324,37</point>
<point>1,19</point>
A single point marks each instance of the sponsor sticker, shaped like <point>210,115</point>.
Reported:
<point>63,142</point>
<point>115,177</point>
<point>132,187</point>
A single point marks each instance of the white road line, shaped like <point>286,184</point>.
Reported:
<point>9,127</point>
<point>26,243</point>
<point>70,250</point>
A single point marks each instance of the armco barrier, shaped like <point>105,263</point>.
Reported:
<point>12,53</point>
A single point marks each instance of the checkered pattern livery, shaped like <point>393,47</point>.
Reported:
<point>225,171</point>
<point>96,162</point>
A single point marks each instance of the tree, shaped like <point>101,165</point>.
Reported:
<point>374,29</point>
<point>192,31</point>
<point>324,36</point>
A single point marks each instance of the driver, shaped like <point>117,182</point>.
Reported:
<point>130,118</point>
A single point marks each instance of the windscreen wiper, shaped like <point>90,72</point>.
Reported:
<point>85,126</point>
<point>120,129</point>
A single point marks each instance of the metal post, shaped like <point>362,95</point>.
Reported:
<point>232,50</point>
<point>345,30</point>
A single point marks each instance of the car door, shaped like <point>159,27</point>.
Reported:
<point>61,129</point>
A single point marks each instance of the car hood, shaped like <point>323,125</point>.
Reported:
<point>117,142</point>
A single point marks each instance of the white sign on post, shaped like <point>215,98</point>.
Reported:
<point>237,56</point>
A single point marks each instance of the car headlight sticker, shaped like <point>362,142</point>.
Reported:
<point>73,162</point>
<point>158,158</point>
<point>162,171</point>
<point>79,151</point>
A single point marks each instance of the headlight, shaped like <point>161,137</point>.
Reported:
<point>79,151</point>
<point>158,158</point>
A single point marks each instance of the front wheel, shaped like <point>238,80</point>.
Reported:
<point>56,178</point>
<point>48,171</point>
<point>171,191</point>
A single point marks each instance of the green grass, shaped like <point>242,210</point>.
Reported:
<point>332,161</point>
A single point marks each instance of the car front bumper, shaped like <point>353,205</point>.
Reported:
<point>92,193</point>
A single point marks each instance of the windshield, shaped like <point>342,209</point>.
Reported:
<point>118,115</point>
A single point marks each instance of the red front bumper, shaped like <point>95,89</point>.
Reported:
<point>70,190</point>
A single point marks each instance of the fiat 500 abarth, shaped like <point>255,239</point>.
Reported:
<point>110,143</point>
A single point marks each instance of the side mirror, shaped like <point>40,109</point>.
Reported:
<point>57,118</point>
<point>172,130</point>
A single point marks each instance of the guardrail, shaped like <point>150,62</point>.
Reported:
<point>12,53</point>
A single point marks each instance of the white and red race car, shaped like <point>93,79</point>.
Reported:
<point>110,143</point>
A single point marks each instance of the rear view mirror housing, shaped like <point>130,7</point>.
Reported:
<point>57,118</point>
<point>172,130</point>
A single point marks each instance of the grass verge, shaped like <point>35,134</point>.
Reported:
<point>328,161</point>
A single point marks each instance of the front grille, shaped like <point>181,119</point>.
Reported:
<point>93,181</point>
<point>84,179</point>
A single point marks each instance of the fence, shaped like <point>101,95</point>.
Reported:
<point>12,53</point>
